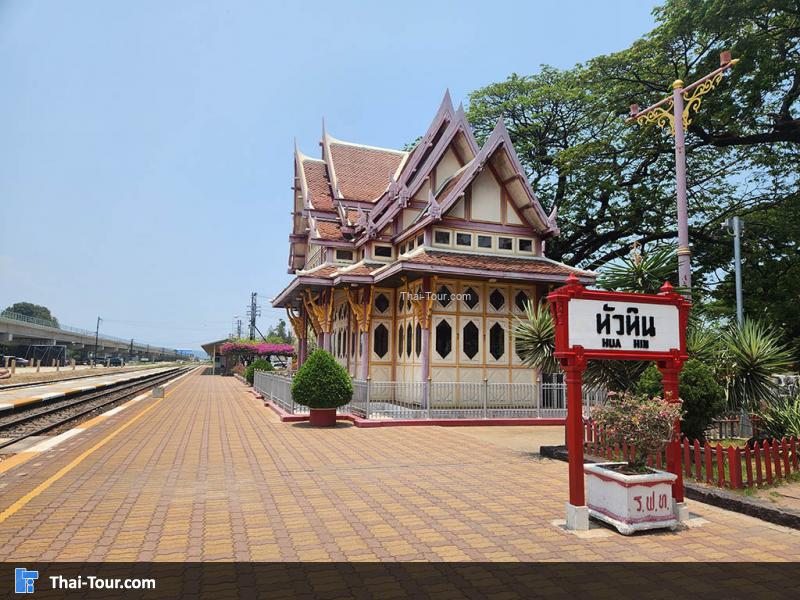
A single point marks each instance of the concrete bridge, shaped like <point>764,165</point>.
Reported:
<point>21,330</point>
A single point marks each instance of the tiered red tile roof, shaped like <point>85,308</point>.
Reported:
<point>328,230</point>
<point>319,187</point>
<point>495,263</point>
<point>361,172</point>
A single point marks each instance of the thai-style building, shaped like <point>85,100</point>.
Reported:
<point>412,266</point>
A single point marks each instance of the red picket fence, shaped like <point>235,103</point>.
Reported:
<point>734,467</point>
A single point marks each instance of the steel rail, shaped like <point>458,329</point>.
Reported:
<point>119,394</point>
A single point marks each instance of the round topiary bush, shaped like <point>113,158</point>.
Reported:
<point>322,382</point>
<point>260,364</point>
<point>703,398</point>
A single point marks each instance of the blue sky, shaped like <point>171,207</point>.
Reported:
<point>146,147</point>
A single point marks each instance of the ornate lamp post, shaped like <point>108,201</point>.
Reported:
<point>674,111</point>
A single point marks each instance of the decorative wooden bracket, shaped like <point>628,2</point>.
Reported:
<point>422,303</point>
<point>321,313</point>
<point>361,304</point>
<point>298,325</point>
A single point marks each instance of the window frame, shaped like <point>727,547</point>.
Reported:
<point>464,233</point>
<point>449,243</point>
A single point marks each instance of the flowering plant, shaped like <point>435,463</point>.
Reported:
<point>249,348</point>
<point>644,424</point>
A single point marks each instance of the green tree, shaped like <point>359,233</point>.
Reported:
<point>279,334</point>
<point>703,398</point>
<point>770,271</point>
<point>613,183</point>
<point>36,311</point>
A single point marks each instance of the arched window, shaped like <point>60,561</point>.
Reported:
<point>497,300</point>
<point>380,340</point>
<point>381,303</point>
<point>444,339</point>
<point>400,342</point>
<point>471,297</point>
<point>497,341</point>
<point>470,342</point>
<point>521,299</point>
<point>418,340</point>
<point>444,296</point>
<point>408,339</point>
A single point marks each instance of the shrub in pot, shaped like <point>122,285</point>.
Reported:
<point>632,496</point>
<point>260,364</point>
<point>702,397</point>
<point>323,385</point>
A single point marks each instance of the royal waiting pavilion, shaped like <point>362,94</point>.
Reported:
<point>412,266</point>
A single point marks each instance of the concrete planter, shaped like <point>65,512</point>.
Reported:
<point>630,502</point>
<point>322,417</point>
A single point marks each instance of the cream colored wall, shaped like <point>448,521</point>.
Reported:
<point>398,365</point>
<point>446,166</point>
<point>486,198</point>
<point>458,366</point>
<point>409,214</point>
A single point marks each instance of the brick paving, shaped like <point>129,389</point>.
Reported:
<point>210,474</point>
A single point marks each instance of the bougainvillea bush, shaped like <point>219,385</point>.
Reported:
<point>643,423</point>
<point>247,347</point>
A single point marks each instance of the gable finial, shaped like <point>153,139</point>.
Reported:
<point>434,208</point>
<point>447,101</point>
<point>552,219</point>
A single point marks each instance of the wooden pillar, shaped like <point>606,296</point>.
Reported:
<point>573,369</point>
<point>670,373</point>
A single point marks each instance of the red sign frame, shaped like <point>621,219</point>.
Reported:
<point>573,361</point>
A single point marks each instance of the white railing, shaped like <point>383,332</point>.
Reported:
<point>439,400</point>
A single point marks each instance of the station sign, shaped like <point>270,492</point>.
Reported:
<point>599,324</point>
<point>612,325</point>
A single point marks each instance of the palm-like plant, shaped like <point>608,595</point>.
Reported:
<point>751,355</point>
<point>535,344</point>
<point>643,273</point>
<point>535,338</point>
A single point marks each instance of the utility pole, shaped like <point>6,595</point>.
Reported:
<point>673,112</point>
<point>253,312</point>
<point>96,339</point>
<point>734,227</point>
<point>238,328</point>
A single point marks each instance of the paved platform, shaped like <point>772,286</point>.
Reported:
<point>37,393</point>
<point>208,473</point>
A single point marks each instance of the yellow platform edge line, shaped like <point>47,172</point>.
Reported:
<point>24,500</point>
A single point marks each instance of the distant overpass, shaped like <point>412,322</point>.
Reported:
<point>21,330</point>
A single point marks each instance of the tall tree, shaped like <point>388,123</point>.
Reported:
<point>613,183</point>
<point>36,311</point>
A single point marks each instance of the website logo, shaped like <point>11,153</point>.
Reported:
<point>23,580</point>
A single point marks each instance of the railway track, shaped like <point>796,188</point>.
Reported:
<point>30,384</point>
<point>46,417</point>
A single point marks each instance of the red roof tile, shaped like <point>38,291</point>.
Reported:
<point>493,263</point>
<point>322,271</point>
<point>362,270</point>
<point>363,173</point>
<point>318,185</point>
<point>327,230</point>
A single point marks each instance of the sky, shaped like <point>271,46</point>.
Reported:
<point>146,147</point>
